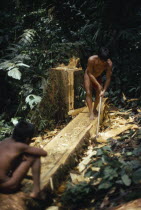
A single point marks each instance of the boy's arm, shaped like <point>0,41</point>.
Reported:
<point>23,148</point>
<point>91,76</point>
<point>108,78</point>
<point>36,151</point>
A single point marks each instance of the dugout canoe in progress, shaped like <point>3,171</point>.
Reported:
<point>62,151</point>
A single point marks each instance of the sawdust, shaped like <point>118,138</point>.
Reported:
<point>116,122</point>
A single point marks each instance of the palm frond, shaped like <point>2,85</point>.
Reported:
<point>14,60</point>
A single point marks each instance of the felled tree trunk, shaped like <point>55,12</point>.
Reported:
<point>18,201</point>
<point>132,205</point>
<point>13,201</point>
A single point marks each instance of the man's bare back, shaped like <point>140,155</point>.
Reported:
<point>97,64</point>
<point>9,154</point>
<point>16,159</point>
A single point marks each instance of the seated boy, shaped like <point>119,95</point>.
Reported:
<point>16,157</point>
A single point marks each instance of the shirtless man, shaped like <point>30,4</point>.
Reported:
<point>97,64</point>
<point>16,157</point>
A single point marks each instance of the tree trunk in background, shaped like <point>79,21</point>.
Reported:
<point>59,93</point>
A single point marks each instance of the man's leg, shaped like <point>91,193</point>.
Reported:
<point>96,103</point>
<point>18,175</point>
<point>89,101</point>
<point>97,97</point>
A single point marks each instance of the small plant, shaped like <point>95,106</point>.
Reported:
<point>118,173</point>
<point>77,196</point>
<point>5,129</point>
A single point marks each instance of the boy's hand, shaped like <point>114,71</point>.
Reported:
<point>25,157</point>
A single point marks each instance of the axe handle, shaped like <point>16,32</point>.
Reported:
<point>99,110</point>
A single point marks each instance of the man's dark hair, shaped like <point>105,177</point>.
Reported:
<point>104,53</point>
<point>22,131</point>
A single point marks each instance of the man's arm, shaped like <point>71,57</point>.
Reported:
<point>90,74</point>
<point>108,78</point>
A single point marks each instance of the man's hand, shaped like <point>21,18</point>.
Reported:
<point>102,93</point>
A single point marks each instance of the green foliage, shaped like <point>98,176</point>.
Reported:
<point>118,173</point>
<point>32,100</point>
<point>17,54</point>
<point>28,58</point>
<point>5,129</point>
<point>77,196</point>
<point>112,24</point>
<point>36,36</point>
<point>115,170</point>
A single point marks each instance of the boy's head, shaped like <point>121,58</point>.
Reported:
<point>104,53</point>
<point>23,132</point>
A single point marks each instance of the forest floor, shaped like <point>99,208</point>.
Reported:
<point>109,172</point>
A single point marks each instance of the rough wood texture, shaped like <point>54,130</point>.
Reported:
<point>60,94</point>
<point>62,155</point>
<point>61,89</point>
<point>75,112</point>
<point>64,147</point>
<point>64,80</point>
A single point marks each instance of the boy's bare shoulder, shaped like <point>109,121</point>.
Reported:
<point>9,142</point>
<point>5,142</point>
<point>13,147</point>
<point>21,145</point>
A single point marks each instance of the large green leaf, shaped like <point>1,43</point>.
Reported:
<point>33,100</point>
<point>137,176</point>
<point>126,180</point>
<point>110,173</point>
<point>15,73</point>
<point>22,64</point>
<point>7,65</point>
<point>105,185</point>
